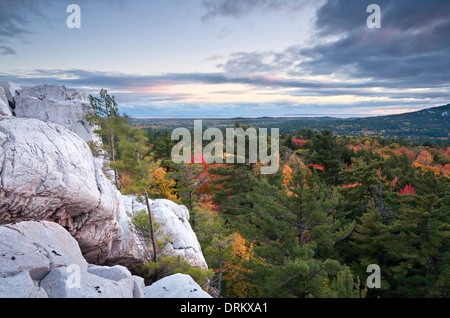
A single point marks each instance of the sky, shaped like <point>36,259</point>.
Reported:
<point>228,58</point>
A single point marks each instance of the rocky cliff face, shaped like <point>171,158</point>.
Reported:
<point>48,174</point>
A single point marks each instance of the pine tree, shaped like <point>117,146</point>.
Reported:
<point>110,125</point>
<point>422,248</point>
<point>329,153</point>
<point>292,228</point>
<point>232,182</point>
<point>187,183</point>
<point>162,150</point>
<point>215,241</point>
<point>231,186</point>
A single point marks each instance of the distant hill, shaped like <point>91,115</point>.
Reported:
<point>427,124</point>
<point>432,123</point>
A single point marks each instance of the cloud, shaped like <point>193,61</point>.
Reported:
<point>410,50</point>
<point>17,17</point>
<point>14,20</point>
<point>6,50</point>
<point>240,8</point>
<point>193,94</point>
<point>112,80</point>
<point>173,87</point>
<point>14,17</point>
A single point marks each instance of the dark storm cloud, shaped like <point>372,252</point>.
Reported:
<point>413,41</point>
<point>268,62</point>
<point>14,17</point>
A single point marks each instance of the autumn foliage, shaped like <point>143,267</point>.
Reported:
<point>299,142</point>
<point>408,190</point>
<point>160,186</point>
<point>242,251</point>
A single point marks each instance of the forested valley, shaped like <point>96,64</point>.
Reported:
<point>337,204</point>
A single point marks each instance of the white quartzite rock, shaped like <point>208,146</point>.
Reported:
<point>37,247</point>
<point>10,89</point>
<point>4,105</point>
<point>20,286</point>
<point>56,104</point>
<point>39,259</point>
<point>126,248</point>
<point>173,220</point>
<point>91,286</point>
<point>48,173</point>
<point>175,286</point>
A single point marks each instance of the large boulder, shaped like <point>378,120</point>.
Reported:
<point>20,286</point>
<point>56,104</point>
<point>90,285</point>
<point>49,173</point>
<point>41,259</point>
<point>37,248</point>
<point>173,220</point>
<point>175,286</point>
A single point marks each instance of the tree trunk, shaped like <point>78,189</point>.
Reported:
<point>113,159</point>
<point>300,223</point>
<point>152,231</point>
<point>220,270</point>
<point>300,232</point>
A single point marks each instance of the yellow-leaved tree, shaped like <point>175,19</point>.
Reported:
<point>160,186</point>
<point>235,270</point>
